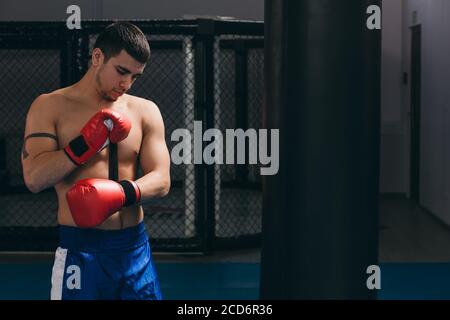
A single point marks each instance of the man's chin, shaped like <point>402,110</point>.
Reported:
<point>110,97</point>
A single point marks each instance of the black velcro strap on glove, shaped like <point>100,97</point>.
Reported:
<point>78,146</point>
<point>130,192</point>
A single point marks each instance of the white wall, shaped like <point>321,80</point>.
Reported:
<point>392,156</point>
<point>434,16</point>
<point>28,10</point>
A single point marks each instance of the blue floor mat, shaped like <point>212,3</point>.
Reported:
<point>414,281</point>
<point>226,281</point>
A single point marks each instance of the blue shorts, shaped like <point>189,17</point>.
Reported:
<point>104,264</point>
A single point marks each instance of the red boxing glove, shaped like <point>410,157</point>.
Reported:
<point>95,135</point>
<point>92,201</point>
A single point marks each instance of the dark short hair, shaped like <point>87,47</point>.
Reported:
<point>123,36</point>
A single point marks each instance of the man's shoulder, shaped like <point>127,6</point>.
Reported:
<point>141,103</point>
<point>146,108</point>
<point>51,100</point>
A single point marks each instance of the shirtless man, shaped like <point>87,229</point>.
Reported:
<point>104,251</point>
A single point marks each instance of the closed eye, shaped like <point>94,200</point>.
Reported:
<point>122,72</point>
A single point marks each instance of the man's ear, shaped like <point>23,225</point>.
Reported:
<point>97,57</point>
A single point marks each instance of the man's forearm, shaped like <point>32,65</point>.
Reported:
<point>153,185</point>
<point>48,169</point>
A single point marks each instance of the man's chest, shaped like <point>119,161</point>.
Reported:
<point>70,122</point>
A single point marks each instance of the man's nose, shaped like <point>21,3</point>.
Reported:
<point>125,84</point>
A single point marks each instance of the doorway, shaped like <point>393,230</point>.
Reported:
<point>415,93</point>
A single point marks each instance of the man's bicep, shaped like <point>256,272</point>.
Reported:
<point>40,133</point>
<point>154,154</point>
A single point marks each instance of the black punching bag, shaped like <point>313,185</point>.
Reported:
<point>322,91</point>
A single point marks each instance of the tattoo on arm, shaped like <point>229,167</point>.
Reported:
<point>25,154</point>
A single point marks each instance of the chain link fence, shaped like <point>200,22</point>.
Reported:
<point>199,70</point>
<point>238,104</point>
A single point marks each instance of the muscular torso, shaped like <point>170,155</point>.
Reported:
<point>74,114</point>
